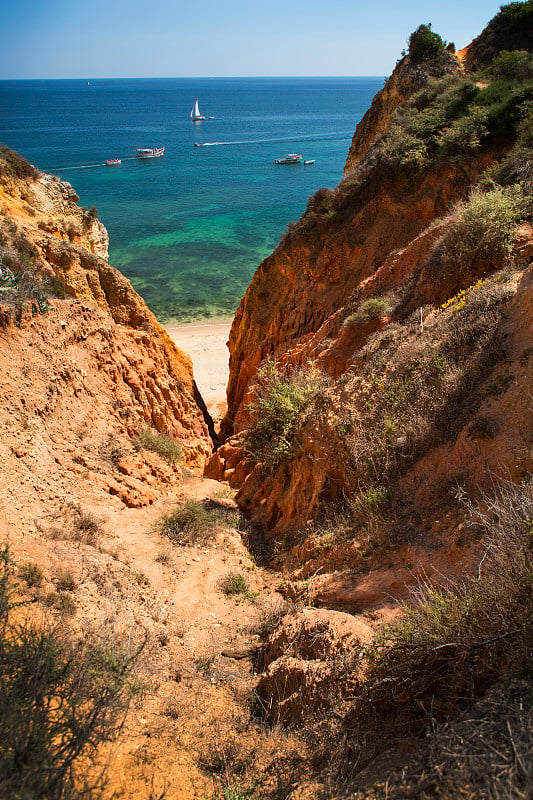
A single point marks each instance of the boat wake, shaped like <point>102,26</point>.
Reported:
<point>312,137</point>
<point>89,166</point>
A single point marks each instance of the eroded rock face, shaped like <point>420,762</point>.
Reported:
<point>403,82</point>
<point>308,278</point>
<point>304,660</point>
<point>376,236</point>
<point>89,370</point>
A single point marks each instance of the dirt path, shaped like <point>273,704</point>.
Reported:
<point>197,661</point>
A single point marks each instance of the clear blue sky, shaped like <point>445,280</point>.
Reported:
<point>174,38</point>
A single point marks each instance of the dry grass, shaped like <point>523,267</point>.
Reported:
<point>413,393</point>
<point>192,522</point>
<point>452,643</point>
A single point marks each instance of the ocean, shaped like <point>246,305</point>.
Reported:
<point>190,228</point>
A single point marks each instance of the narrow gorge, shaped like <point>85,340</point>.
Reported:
<point>330,596</point>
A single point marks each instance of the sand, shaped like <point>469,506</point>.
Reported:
<point>206,345</point>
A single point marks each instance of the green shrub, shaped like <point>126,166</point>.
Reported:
<point>414,136</point>
<point>465,134</point>
<point>513,65</point>
<point>517,167</point>
<point>59,700</point>
<point>373,308</point>
<point>235,792</point>
<point>162,444</point>
<point>234,583</point>
<point>282,400</point>
<point>512,27</point>
<point>189,523</point>
<point>482,229</point>
<point>425,45</point>
<point>505,102</point>
<point>525,126</point>
<point>32,574</point>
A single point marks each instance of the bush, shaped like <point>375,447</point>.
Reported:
<point>513,65</point>
<point>414,136</point>
<point>87,527</point>
<point>465,134</point>
<point>512,27</point>
<point>505,102</point>
<point>453,642</point>
<point>525,126</point>
<point>425,45</point>
<point>373,308</point>
<point>234,583</point>
<point>282,399</point>
<point>189,523</point>
<point>59,700</point>
<point>32,574</point>
<point>483,229</point>
<point>517,168</point>
<point>162,444</point>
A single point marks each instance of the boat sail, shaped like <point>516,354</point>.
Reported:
<point>196,116</point>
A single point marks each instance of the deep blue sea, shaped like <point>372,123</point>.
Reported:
<point>188,229</point>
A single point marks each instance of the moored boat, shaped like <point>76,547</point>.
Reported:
<point>290,158</point>
<point>149,152</point>
<point>196,115</point>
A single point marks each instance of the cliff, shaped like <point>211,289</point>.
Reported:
<point>406,290</point>
<point>85,365</point>
<point>379,429</point>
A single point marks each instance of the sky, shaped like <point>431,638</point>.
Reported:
<point>221,38</point>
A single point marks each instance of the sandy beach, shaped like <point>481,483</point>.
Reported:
<point>206,345</point>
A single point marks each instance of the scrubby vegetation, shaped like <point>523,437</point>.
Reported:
<point>23,290</point>
<point>373,308</point>
<point>60,699</point>
<point>162,444</point>
<point>453,115</point>
<point>187,524</point>
<point>195,522</point>
<point>453,672</point>
<point>482,230</point>
<point>426,45</point>
<point>234,584</point>
<point>282,399</point>
<point>510,29</point>
<point>453,643</point>
<point>13,165</point>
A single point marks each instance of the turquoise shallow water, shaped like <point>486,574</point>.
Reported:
<point>189,229</point>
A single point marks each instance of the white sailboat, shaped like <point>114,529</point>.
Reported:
<point>196,116</point>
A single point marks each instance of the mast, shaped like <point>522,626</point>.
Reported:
<point>195,110</point>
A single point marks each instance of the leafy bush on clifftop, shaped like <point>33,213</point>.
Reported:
<point>425,45</point>
<point>510,29</point>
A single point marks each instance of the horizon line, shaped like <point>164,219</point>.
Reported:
<point>185,77</point>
